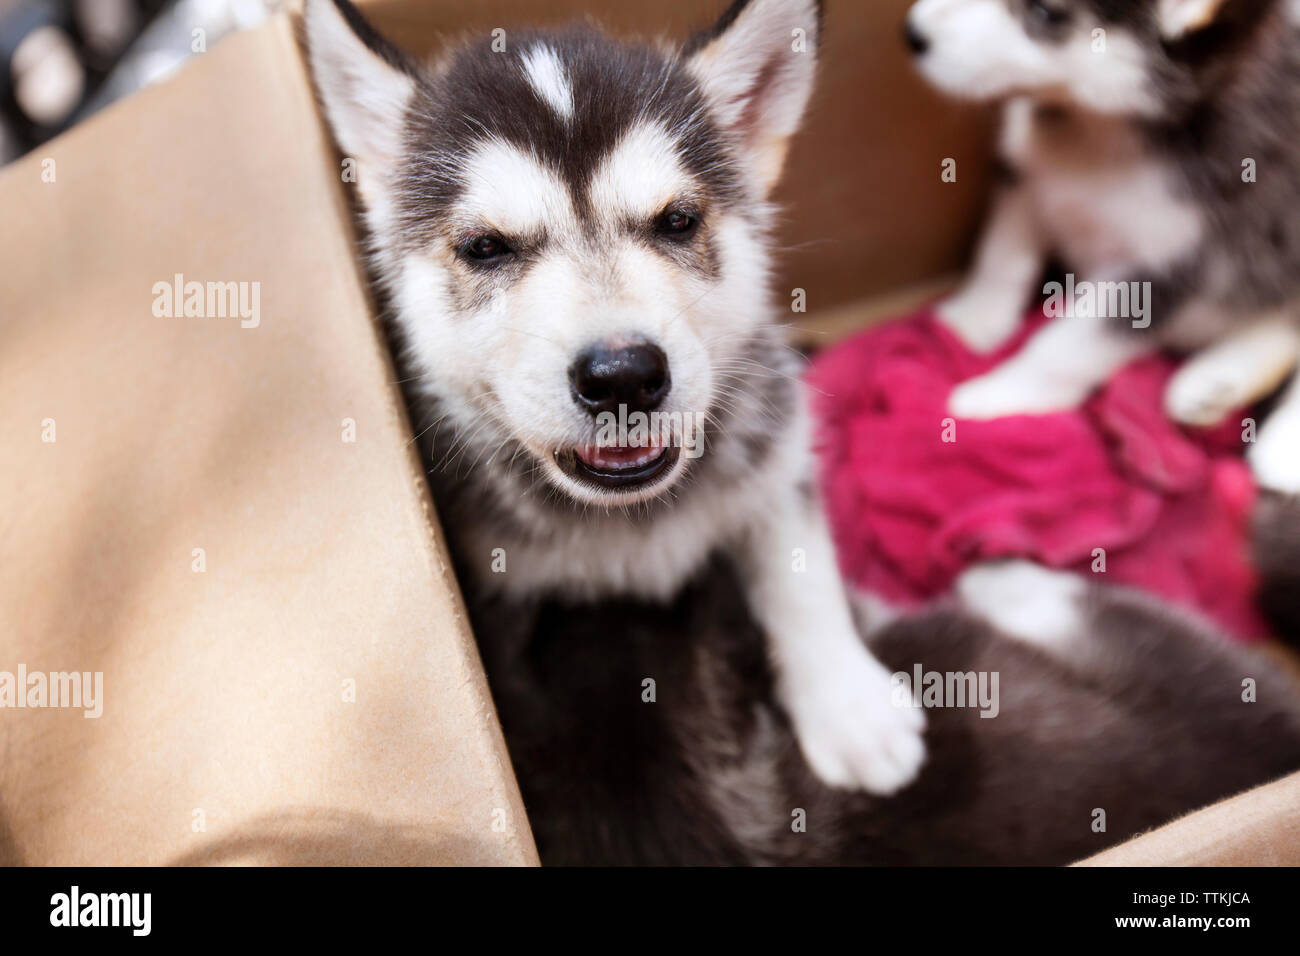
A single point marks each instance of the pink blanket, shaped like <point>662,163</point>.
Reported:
<point>1113,484</point>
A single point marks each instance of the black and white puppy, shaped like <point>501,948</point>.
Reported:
<point>561,224</point>
<point>572,231</point>
<point>1150,146</point>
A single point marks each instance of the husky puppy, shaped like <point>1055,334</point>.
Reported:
<point>572,231</point>
<point>560,224</point>
<point>1149,145</point>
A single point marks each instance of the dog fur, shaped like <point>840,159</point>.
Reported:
<point>1131,710</point>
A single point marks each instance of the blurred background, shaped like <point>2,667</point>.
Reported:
<point>62,60</point>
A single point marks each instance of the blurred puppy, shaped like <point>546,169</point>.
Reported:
<point>1150,145</point>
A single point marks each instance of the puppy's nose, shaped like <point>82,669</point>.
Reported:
<point>917,41</point>
<point>635,376</point>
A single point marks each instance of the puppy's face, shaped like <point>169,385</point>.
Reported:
<point>1124,57</point>
<point>572,229</point>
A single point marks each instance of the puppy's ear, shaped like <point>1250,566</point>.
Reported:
<point>365,84</point>
<point>1178,18</point>
<point>756,68</point>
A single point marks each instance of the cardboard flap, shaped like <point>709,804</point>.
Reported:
<point>1258,828</point>
<point>222,514</point>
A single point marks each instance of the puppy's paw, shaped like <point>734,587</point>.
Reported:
<point>1005,391</point>
<point>980,321</point>
<point>851,732</point>
<point>1196,397</point>
<point>1024,600</point>
<point>1275,456</point>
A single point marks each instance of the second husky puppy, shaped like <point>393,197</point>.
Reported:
<point>1151,145</point>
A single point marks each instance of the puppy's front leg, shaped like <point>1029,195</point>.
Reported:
<point>1055,371</point>
<point>988,307</point>
<point>1243,367</point>
<point>1275,456</point>
<point>838,696</point>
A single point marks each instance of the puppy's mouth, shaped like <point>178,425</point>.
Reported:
<point>617,468</point>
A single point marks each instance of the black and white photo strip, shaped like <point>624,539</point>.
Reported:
<point>811,434</point>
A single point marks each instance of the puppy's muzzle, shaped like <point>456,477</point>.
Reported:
<point>620,381</point>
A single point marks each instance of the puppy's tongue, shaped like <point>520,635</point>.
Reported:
<point>616,457</point>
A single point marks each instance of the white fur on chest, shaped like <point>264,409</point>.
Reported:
<point>1106,205</point>
<point>589,559</point>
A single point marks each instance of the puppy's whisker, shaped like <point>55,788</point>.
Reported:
<point>536,335</point>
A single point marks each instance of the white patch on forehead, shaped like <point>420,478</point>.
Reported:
<point>512,191</point>
<point>545,73</point>
<point>641,175</point>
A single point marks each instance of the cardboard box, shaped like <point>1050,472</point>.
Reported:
<point>226,517</point>
<point>1257,828</point>
<point>287,672</point>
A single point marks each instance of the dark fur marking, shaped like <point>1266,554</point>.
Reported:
<point>710,773</point>
<point>482,94</point>
<point>1006,174</point>
<point>1276,547</point>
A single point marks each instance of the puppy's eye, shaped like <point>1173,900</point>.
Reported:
<point>1049,13</point>
<point>676,224</point>
<point>485,248</point>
